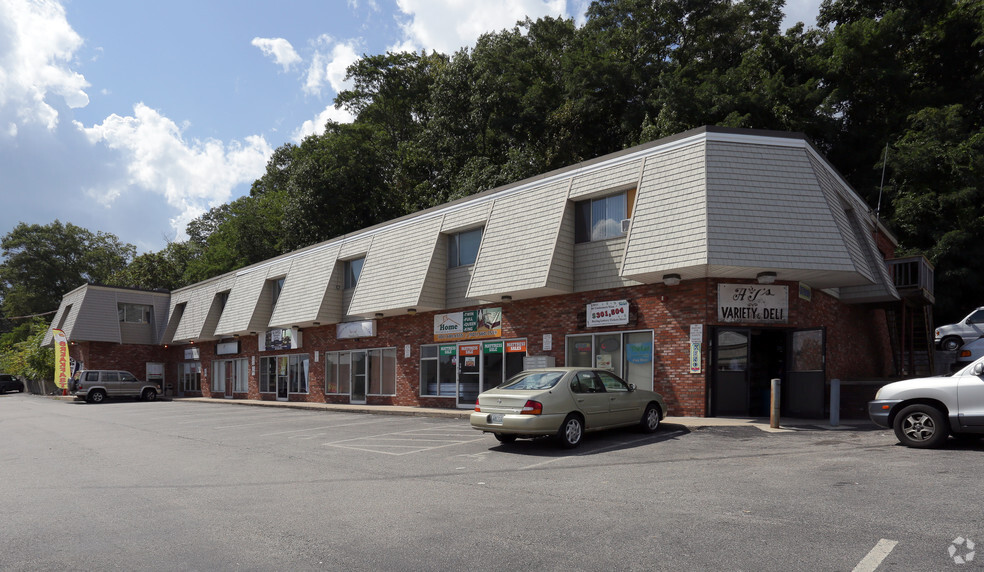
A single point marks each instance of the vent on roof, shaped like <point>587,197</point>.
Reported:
<point>625,225</point>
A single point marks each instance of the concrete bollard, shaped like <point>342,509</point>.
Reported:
<point>835,402</point>
<point>774,410</point>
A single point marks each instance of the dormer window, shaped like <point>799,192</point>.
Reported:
<point>600,219</point>
<point>353,269</point>
<point>134,313</point>
<point>463,247</point>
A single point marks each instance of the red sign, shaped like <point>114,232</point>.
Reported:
<point>469,350</point>
<point>516,347</point>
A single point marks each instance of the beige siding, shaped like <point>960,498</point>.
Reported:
<point>466,217</point>
<point>561,276</point>
<point>882,289</point>
<point>842,214</point>
<point>305,288</point>
<point>242,303</point>
<point>519,243</point>
<point>605,180</point>
<point>192,324</point>
<point>766,209</point>
<point>354,248</point>
<point>66,315</point>
<point>596,265</point>
<point>669,223</point>
<point>98,318</point>
<point>457,287</point>
<point>396,268</point>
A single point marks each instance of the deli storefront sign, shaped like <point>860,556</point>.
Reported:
<point>753,303</point>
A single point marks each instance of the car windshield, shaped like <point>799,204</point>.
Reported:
<point>534,380</point>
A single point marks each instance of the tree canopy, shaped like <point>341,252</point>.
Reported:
<point>430,128</point>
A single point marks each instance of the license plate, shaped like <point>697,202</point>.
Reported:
<point>496,418</point>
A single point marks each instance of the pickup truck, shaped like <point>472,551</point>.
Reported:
<point>924,412</point>
<point>95,385</point>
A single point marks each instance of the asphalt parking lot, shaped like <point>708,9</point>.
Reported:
<point>182,486</point>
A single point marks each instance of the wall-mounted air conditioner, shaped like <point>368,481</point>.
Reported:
<point>625,225</point>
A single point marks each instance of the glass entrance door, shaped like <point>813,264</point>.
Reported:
<point>282,378</point>
<point>469,373</point>
<point>359,378</point>
<point>729,390</point>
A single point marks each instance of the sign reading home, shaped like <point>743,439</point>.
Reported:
<point>470,325</point>
<point>767,304</point>
<point>612,313</point>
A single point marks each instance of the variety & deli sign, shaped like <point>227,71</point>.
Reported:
<point>753,303</point>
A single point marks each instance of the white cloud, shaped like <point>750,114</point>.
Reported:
<point>328,64</point>
<point>280,49</point>
<point>316,126</point>
<point>448,25</point>
<point>192,176</point>
<point>38,46</point>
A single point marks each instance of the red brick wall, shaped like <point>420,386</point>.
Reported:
<point>856,338</point>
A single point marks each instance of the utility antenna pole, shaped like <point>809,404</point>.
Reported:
<point>882,187</point>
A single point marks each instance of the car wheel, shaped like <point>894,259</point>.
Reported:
<point>571,432</point>
<point>951,344</point>
<point>96,396</point>
<point>922,426</point>
<point>149,395</point>
<point>505,437</point>
<point>650,419</point>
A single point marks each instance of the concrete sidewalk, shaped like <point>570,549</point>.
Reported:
<point>786,424</point>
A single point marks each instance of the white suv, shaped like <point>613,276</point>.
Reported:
<point>952,336</point>
<point>925,411</point>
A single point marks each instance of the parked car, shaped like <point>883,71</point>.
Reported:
<point>10,382</point>
<point>925,411</point>
<point>952,336</point>
<point>969,352</point>
<point>95,385</point>
<point>566,403</point>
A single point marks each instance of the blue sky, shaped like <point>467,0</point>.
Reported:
<point>134,117</point>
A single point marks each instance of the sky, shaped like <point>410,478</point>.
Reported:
<point>134,117</point>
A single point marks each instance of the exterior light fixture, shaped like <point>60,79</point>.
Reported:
<point>411,311</point>
<point>766,277</point>
<point>507,298</point>
<point>317,323</point>
<point>671,279</point>
<point>379,314</point>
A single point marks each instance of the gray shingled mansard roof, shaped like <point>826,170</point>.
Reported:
<point>710,202</point>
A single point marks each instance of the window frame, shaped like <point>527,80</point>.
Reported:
<point>585,222</point>
<point>455,251</point>
<point>353,271</point>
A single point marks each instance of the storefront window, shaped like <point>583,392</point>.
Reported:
<point>378,366</point>
<point>483,365</point>
<point>232,373</point>
<point>628,354</point>
<point>290,371</point>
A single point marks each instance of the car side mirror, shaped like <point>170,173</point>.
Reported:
<point>979,369</point>
<point>632,387</point>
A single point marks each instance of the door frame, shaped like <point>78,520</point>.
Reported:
<point>356,398</point>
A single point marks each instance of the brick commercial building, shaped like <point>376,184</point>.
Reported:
<point>701,265</point>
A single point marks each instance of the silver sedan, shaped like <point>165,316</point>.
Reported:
<point>565,402</point>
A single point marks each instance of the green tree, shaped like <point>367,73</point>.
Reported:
<point>43,262</point>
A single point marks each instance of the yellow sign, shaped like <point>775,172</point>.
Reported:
<point>63,368</point>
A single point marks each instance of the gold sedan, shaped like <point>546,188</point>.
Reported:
<point>566,402</point>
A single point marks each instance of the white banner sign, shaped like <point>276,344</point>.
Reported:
<point>612,313</point>
<point>767,304</point>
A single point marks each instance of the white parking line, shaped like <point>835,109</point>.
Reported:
<point>321,427</point>
<point>874,558</point>
<point>377,443</point>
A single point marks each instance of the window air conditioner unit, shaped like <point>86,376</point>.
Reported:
<point>625,225</point>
